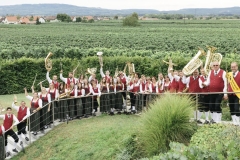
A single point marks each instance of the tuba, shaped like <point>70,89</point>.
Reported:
<point>211,57</point>
<point>48,62</point>
<point>194,64</point>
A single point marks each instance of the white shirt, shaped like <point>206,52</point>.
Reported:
<point>188,80</point>
<point>223,77</point>
<point>14,118</point>
<point>76,92</point>
<point>92,91</point>
<point>200,82</point>
<point>56,94</point>
<point>39,100</point>
<point>17,109</point>
<point>3,129</point>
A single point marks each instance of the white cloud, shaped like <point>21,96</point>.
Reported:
<point>125,4</point>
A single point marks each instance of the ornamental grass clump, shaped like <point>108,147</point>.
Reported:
<point>166,120</point>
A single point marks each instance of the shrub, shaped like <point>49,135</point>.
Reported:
<point>167,120</point>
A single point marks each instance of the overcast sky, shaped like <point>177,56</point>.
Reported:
<point>135,4</point>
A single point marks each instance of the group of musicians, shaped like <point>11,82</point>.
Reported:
<point>112,93</point>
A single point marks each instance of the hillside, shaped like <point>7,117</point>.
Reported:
<point>53,9</point>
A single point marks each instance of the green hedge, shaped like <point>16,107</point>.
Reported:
<point>15,74</point>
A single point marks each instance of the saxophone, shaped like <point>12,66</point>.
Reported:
<point>48,62</point>
<point>211,57</point>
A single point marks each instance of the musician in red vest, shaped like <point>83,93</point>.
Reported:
<point>217,82</point>
<point>180,81</point>
<point>143,97</point>
<point>53,80</point>
<point>68,80</point>
<point>192,86</point>
<point>174,80</point>
<point>123,79</point>
<point>8,124</point>
<point>23,113</point>
<point>135,88</point>
<point>106,75</point>
<point>93,78</point>
<point>233,100</point>
<point>95,90</point>
<point>204,96</point>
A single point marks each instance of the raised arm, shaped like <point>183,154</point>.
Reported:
<point>101,72</point>
<point>62,78</point>
<point>48,78</point>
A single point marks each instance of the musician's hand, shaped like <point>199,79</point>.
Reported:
<point>31,87</point>
<point>204,85</point>
<point>225,97</point>
<point>34,111</point>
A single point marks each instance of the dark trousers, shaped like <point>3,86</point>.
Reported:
<point>12,134</point>
<point>124,95</point>
<point>95,104</point>
<point>215,103</point>
<point>131,99</point>
<point>233,101</point>
<point>204,103</point>
<point>21,127</point>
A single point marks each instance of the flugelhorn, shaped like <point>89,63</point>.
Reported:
<point>48,62</point>
<point>91,70</point>
<point>100,58</point>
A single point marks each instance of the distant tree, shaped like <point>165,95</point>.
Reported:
<point>31,18</point>
<point>135,15</point>
<point>115,17</point>
<point>131,20</point>
<point>78,19</point>
<point>84,20</point>
<point>90,20</point>
<point>64,17</point>
<point>18,17</point>
<point>37,21</point>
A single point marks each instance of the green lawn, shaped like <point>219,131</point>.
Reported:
<point>93,138</point>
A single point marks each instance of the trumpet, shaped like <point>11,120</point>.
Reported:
<point>48,62</point>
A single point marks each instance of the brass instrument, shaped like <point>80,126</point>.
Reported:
<point>66,94</point>
<point>91,71</point>
<point>48,62</point>
<point>194,64</point>
<point>116,72</point>
<point>100,58</point>
<point>170,64</point>
<point>211,57</point>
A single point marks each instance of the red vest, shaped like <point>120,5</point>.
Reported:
<point>124,82</point>
<point>44,99</point>
<point>72,93</point>
<point>86,90</point>
<point>8,121</point>
<point>154,88</point>
<point>194,85</point>
<point>104,89</point>
<point>174,86</point>
<point>68,82</point>
<point>108,78</point>
<point>95,90</point>
<point>1,132</point>
<point>237,80</point>
<point>204,89</point>
<point>135,88</point>
<point>34,104</point>
<point>52,94</point>
<point>118,88</point>
<point>79,92</point>
<point>56,84</point>
<point>143,86</point>
<point>22,113</point>
<point>216,82</point>
<point>111,88</point>
<point>181,85</point>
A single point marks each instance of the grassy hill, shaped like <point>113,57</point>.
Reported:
<point>94,138</point>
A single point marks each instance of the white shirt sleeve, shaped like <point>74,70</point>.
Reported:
<point>48,78</point>
<point>207,82</point>
<point>40,103</point>
<point>15,107</point>
<point>101,72</point>
<point>3,129</point>
<point>83,92</point>
<point>156,88</point>
<point>49,98</point>
<point>75,92</point>
<point>141,88</point>
<point>187,82</point>
<point>176,77</point>
<point>62,78</point>
<point>225,82</point>
<point>90,78</point>
<point>29,97</point>
<point>16,121</point>
<point>107,88</point>
<point>200,83</point>
<point>2,117</point>
<point>184,79</point>
<point>150,88</point>
<point>170,76</point>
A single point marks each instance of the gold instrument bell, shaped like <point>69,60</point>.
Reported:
<point>48,62</point>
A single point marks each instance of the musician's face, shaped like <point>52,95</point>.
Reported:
<point>180,74</point>
<point>35,95</point>
<point>51,85</point>
<point>70,75</point>
<point>203,72</point>
<point>234,67</point>
<point>54,78</point>
<point>160,75</point>
<point>195,73</point>
<point>9,111</point>
<point>215,66</point>
<point>107,72</point>
<point>175,72</point>
<point>44,90</point>
<point>23,103</point>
